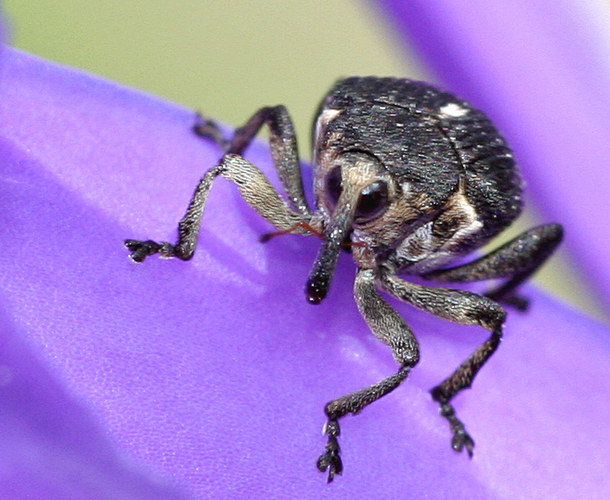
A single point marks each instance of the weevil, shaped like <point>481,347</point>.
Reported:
<point>409,179</point>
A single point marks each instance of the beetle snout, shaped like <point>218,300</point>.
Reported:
<point>336,233</point>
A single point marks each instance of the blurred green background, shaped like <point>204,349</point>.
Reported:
<point>228,58</point>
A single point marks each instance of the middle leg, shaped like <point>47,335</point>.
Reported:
<point>282,142</point>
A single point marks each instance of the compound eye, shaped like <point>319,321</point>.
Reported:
<point>333,186</point>
<point>373,201</point>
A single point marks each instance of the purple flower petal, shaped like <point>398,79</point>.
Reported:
<point>541,71</point>
<point>214,372</point>
<point>51,445</point>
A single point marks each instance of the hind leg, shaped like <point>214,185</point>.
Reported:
<point>516,260</point>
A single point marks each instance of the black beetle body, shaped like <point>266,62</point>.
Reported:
<point>408,178</point>
<point>454,181</point>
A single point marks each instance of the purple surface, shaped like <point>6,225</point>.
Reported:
<point>51,447</point>
<point>541,70</point>
<point>212,374</point>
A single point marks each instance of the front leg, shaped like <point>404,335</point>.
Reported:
<point>389,327</point>
<point>461,307</point>
<point>254,187</point>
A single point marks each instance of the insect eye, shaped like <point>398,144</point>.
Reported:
<point>373,201</point>
<point>333,185</point>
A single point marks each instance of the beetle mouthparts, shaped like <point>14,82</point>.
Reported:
<point>316,290</point>
<point>323,269</point>
<point>335,234</point>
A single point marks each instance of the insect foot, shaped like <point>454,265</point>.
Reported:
<point>209,129</point>
<point>142,249</point>
<point>331,460</point>
<point>461,439</point>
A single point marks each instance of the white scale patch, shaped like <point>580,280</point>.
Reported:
<point>474,223</point>
<point>452,110</point>
<point>425,253</point>
<point>327,116</point>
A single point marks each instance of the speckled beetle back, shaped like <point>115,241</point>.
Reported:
<point>430,139</point>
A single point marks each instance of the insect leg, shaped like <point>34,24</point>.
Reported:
<point>254,187</point>
<point>516,260</point>
<point>209,129</point>
<point>282,141</point>
<point>465,308</point>
<point>390,328</point>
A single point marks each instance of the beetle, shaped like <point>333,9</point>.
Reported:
<point>409,179</point>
